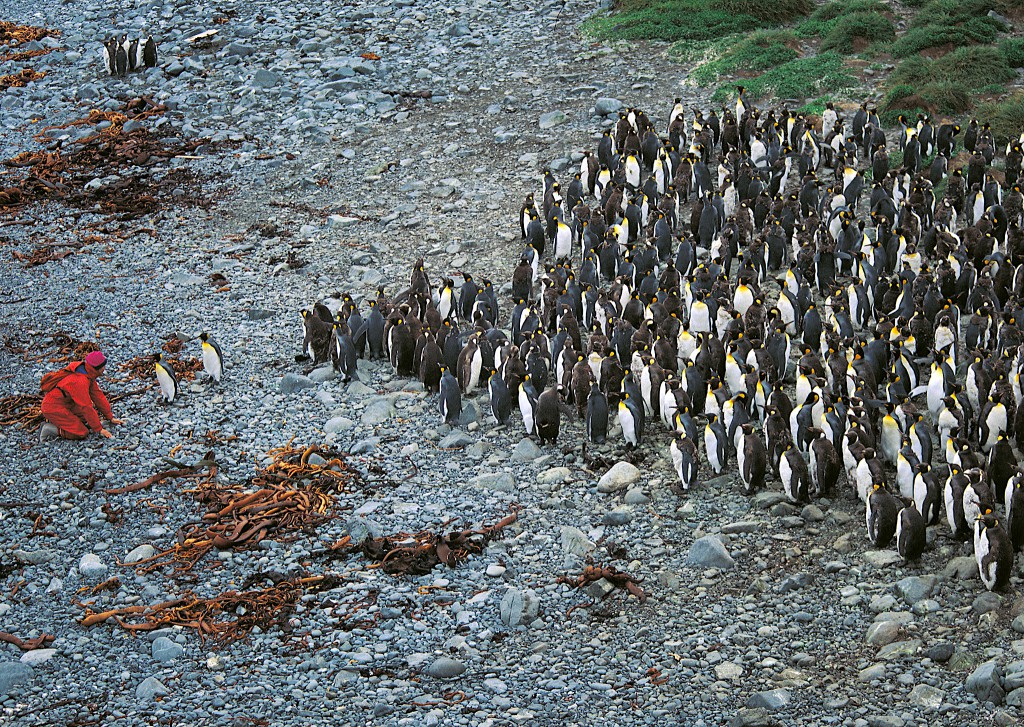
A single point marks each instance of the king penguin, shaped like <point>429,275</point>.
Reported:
<point>685,459</point>
<point>927,494</point>
<point>1014,503</point>
<point>794,475</point>
<point>149,52</point>
<point>471,363</point>
<point>501,401</point>
<point>631,419</point>
<point>166,378</point>
<point>548,415</point>
<point>825,463</point>
<point>911,535</point>
<point>881,515</point>
<point>450,401</point>
<point>993,551</point>
<point>715,443</point>
<point>528,404</point>
<point>752,458</point>
<point>213,359</point>
<point>121,58</point>
<point>597,415</point>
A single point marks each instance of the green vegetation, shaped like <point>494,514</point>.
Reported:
<point>815,107</point>
<point>799,78</point>
<point>951,56</point>
<point>1013,50</point>
<point>948,22</point>
<point>693,20</point>
<point>1006,116</point>
<point>774,13</point>
<point>855,30</point>
<point>945,85</point>
<point>824,20</point>
<point>671,20</point>
<point>758,52</point>
<point>974,67</point>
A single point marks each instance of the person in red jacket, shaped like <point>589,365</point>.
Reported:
<point>73,407</point>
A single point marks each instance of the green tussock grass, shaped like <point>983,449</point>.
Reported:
<point>799,78</point>
<point>1006,117</point>
<point>692,20</point>
<point>935,97</point>
<point>823,20</point>
<point>772,13</point>
<point>1013,50</point>
<point>869,27</point>
<point>973,67</point>
<point>759,51</point>
<point>669,20</point>
<point>942,22</point>
<point>815,107</point>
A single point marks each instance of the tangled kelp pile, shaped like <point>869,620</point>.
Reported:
<point>223,618</point>
<point>109,169</point>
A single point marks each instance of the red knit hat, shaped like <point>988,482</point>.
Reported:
<point>96,359</point>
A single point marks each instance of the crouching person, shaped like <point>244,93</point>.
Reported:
<point>73,402</point>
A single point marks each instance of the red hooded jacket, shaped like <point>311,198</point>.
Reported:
<point>79,394</point>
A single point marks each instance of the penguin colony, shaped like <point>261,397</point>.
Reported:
<point>167,380</point>
<point>122,56</point>
<point>668,282</point>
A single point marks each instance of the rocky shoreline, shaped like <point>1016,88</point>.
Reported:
<point>344,144</point>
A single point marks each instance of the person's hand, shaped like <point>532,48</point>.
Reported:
<point>105,433</point>
<point>117,421</point>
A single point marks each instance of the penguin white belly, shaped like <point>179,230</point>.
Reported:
<point>628,426</point>
<point>869,520</point>
<point>711,445</point>
<point>982,547</point>
<point>996,421</point>
<point>936,390</point>
<point>741,458</point>
<point>711,405</point>
<point>947,499</point>
<point>788,314</point>
<point>475,365</point>
<point>594,362</point>
<point>863,477</point>
<point>786,475</point>
<point>526,409</point>
<point>563,242</point>
<point>803,387</point>
<point>905,477</point>
<point>677,463</point>
<point>168,389</point>
<point>920,493</point>
<point>743,299</point>
<point>890,440</point>
<point>211,362</point>
<point>645,391</point>
<point>700,318</point>
<point>687,345</point>
<point>733,376</point>
<point>667,407</point>
<point>794,426</point>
